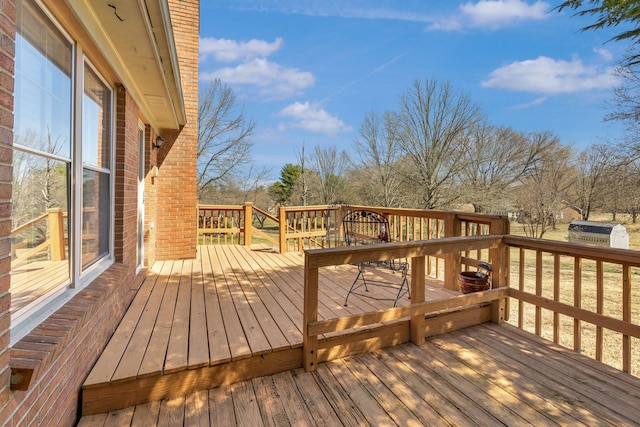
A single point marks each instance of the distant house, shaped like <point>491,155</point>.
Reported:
<point>98,119</point>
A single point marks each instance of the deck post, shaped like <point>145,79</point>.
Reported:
<point>282,229</point>
<point>499,257</point>
<point>309,315</point>
<point>417,323</point>
<point>452,262</point>
<point>56,234</point>
<point>248,223</point>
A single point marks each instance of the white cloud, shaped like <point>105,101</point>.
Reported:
<point>604,53</point>
<point>273,80</point>
<point>313,118</point>
<point>534,103</point>
<point>225,50</point>
<point>550,76</point>
<point>492,14</point>
<point>497,13</point>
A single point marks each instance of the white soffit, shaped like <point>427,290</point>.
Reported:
<point>136,38</point>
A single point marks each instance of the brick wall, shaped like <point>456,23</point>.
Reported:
<point>7,53</point>
<point>177,193</point>
<point>126,179</point>
<point>64,347</point>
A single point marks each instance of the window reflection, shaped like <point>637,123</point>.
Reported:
<point>61,222</point>
<point>96,126</point>
<point>41,159</point>
<point>95,216</point>
<point>39,237</point>
<point>42,99</point>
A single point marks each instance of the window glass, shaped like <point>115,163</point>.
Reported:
<point>41,160</point>
<point>95,216</point>
<point>39,250</point>
<point>43,84</point>
<point>96,123</point>
<point>60,227</point>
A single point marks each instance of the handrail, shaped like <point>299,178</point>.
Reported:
<point>416,251</point>
<point>28,224</point>
<point>267,214</point>
<point>591,285</point>
<point>55,240</point>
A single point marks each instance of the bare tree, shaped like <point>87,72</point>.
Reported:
<point>329,167</point>
<point>223,135</point>
<point>39,182</point>
<point>497,158</point>
<point>626,102</point>
<point>592,165</point>
<point>435,123</point>
<point>541,192</point>
<point>628,183</point>
<point>377,157</point>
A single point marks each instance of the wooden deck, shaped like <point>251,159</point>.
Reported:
<point>31,281</point>
<point>488,374</point>
<point>229,315</point>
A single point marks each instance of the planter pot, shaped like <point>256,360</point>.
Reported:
<point>471,281</point>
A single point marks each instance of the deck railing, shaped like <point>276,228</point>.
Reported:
<point>582,297</point>
<point>312,227</point>
<point>417,252</point>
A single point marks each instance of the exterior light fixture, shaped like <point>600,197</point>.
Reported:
<point>159,142</point>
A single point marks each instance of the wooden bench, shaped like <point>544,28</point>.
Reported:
<point>363,227</point>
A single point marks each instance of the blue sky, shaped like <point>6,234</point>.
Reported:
<point>309,71</point>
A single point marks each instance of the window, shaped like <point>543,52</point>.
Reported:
<point>62,180</point>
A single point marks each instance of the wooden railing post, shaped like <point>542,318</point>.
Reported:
<point>56,234</point>
<point>248,223</point>
<point>417,322</point>
<point>310,314</point>
<point>452,264</point>
<point>282,229</point>
<point>499,257</point>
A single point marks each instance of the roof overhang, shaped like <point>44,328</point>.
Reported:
<point>136,39</point>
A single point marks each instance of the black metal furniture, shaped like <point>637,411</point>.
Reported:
<point>363,227</point>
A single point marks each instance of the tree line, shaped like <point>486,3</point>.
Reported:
<point>439,151</point>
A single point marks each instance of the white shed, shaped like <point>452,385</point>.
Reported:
<point>599,233</point>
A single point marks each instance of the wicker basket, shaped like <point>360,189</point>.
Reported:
<point>471,281</point>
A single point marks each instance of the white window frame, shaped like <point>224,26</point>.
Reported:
<point>141,185</point>
<point>24,320</point>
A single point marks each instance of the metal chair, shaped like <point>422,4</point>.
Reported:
<point>363,227</point>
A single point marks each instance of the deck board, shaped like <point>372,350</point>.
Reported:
<point>133,355</point>
<point>289,332</point>
<point>178,345</point>
<point>155,357</point>
<point>487,374</point>
<point>198,356</point>
<point>217,341</point>
<point>229,304</point>
<point>237,341</point>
